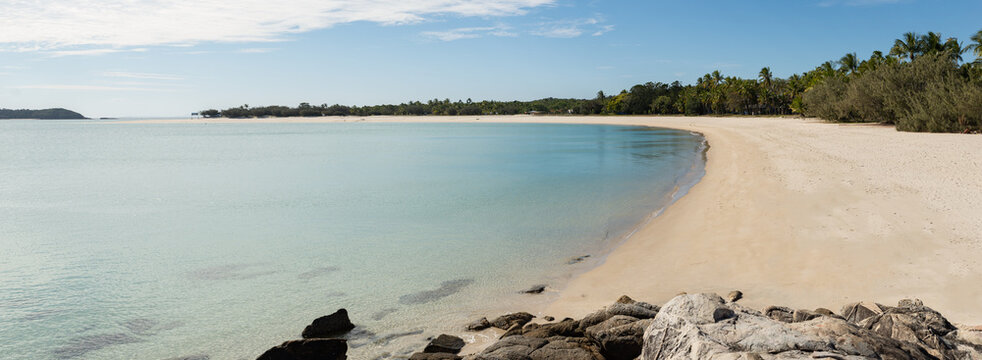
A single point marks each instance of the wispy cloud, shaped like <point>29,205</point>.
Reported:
<point>573,28</point>
<point>138,75</point>
<point>71,87</point>
<point>91,52</point>
<point>469,33</point>
<point>108,25</point>
<point>255,50</point>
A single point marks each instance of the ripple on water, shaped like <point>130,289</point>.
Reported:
<point>230,272</point>
<point>82,345</point>
<point>317,272</point>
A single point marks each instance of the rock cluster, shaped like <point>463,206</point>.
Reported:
<point>319,341</point>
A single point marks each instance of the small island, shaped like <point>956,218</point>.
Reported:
<point>45,114</point>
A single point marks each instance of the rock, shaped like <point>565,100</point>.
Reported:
<point>734,296</point>
<point>514,347</point>
<point>857,312</point>
<point>329,326</point>
<point>914,323</point>
<point>479,324</point>
<point>308,349</point>
<point>435,356</point>
<point>548,318</point>
<point>624,299</point>
<point>567,349</point>
<point>577,259</point>
<point>445,344</point>
<point>780,313</point>
<point>537,289</point>
<point>620,337</point>
<point>565,328</point>
<point>515,329</point>
<point>638,310</point>
<point>687,328</point>
<point>802,315</point>
<point>505,322</point>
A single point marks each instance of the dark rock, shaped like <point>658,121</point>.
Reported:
<point>577,259</point>
<point>567,349</point>
<point>308,349</point>
<point>514,347</point>
<point>802,315</point>
<point>624,299</point>
<point>638,310</point>
<point>566,328</point>
<point>734,296</point>
<point>780,313</point>
<point>619,342</point>
<point>479,324</point>
<point>721,314</point>
<point>537,289</point>
<point>505,322</point>
<point>445,344</point>
<point>548,318</point>
<point>435,356</point>
<point>515,329</point>
<point>329,326</point>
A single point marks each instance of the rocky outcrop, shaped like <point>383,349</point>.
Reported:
<point>704,326</point>
<point>479,324</point>
<point>329,326</point>
<point>308,349</point>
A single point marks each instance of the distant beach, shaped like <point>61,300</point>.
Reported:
<point>794,212</point>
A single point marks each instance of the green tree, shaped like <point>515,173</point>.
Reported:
<point>849,63</point>
<point>909,46</point>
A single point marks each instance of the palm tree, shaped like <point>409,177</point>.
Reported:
<point>976,46</point>
<point>954,50</point>
<point>909,46</point>
<point>766,76</point>
<point>931,43</point>
<point>849,63</point>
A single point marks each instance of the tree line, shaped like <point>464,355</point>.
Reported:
<point>922,84</point>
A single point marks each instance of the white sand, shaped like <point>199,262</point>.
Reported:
<point>797,213</point>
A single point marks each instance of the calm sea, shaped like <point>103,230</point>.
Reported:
<point>155,241</point>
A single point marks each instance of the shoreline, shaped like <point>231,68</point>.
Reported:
<point>792,212</point>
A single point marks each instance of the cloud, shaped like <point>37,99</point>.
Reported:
<point>91,52</point>
<point>88,88</point>
<point>136,75</point>
<point>108,25</point>
<point>255,50</point>
<point>469,33</point>
<point>573,28</point>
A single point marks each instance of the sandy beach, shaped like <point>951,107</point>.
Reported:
<point>794,212</point>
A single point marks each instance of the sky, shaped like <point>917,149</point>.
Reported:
<point>169,58</point>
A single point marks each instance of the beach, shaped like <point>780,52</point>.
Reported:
<point>794,212</point>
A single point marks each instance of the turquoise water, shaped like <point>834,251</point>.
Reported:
<point>153,241</point>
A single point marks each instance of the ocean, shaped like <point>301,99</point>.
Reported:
<point>219,241</point>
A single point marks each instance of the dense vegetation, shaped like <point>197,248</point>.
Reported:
<point>47,114</point>
<point>922,84</point>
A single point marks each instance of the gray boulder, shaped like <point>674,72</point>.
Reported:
<point>691,327</point>
<point>308,349</point>
<point>567,349</point>
<point>512,348</point>
<point>914,323</point>
<point>859,311</point>
<point>620,337</point>
<point>329,326</point>
<point>565,328</point>
<point>639,310</point>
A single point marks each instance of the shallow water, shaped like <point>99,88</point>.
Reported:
<point>153,241</point>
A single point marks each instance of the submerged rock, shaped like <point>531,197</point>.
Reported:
<point>308,349</point>
<point>329,326</point>
<point>446,288</point>
<point>537,289</point>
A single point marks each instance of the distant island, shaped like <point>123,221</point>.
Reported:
<point>45,114</point>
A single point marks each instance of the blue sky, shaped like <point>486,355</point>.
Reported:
<point>169,58</point>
